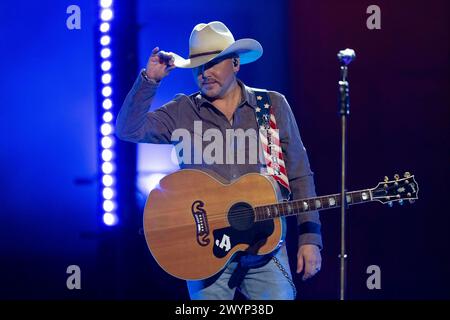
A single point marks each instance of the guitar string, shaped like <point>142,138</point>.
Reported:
<point>223,217</point>
<point>294,202</point>
<point>244,214</point>
<point>322,198</point>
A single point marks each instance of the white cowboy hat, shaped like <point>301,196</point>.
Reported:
<point>214,40</point>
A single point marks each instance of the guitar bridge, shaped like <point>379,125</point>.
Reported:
<point>201,222</point>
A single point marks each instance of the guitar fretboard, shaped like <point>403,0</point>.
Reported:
<point>297,207</point>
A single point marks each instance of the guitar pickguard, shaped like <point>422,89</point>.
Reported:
<point>226,239</point>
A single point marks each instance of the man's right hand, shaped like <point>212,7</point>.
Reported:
<point>159,64</point>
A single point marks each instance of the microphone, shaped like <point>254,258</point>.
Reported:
<point>346,56</point>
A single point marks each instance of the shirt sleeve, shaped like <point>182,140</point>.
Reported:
<point>300,176</point>
<point>135,123</point>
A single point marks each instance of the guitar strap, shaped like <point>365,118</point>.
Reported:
<point>271,148</point>
<point>270,141</point>
<point>273,154</point>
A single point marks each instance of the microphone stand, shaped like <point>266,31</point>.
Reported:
<point>345,57</point>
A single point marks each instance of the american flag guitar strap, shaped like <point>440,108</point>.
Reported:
<point>270,140</point>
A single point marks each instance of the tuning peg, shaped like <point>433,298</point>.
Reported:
<point>412,201</point>
<point>407,174</point>
<point>396,177</point>
<point>390,204</point>
<point>386,178</point>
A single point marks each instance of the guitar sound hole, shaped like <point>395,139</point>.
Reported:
<point>241,216</point>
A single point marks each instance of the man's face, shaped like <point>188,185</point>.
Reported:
<point>216,77</point>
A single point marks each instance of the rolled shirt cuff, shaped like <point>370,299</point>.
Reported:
<point>310,233</point>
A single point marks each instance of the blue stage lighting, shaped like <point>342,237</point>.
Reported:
<point>105,53</point>
<point>106,79</point>
<point>107,155</point>
<point>108,205</point>
<point>106,14</point>
<point>105,3</point>
<point>106,142</point>
<point>105,40</point>
<point>107,180</point>
<point>107,116</point>
<point>108,193</point>
<point>106,129</point>
<point>104,27</point>
<point>106,65</point>
<point>107,104</point>
<point>106,91</point>
<point>107,165</point>
<point>110,219</point>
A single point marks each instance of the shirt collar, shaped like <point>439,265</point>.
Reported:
<point>247,94</point>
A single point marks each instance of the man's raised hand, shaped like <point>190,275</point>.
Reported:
<point>159,64</point>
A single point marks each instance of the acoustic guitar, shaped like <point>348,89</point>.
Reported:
<point>194,222</point>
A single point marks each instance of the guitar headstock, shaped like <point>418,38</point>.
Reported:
<point>397,190</point>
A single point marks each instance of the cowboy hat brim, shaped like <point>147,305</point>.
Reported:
<point>249,50</point>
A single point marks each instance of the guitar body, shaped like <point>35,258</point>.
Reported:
<point>194,223</point>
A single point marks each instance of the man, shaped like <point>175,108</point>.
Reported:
<point>225,103</point>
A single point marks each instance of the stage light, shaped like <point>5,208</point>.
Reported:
<point>107,180</point>
<point>106,65</point>
<point>105,40</point>
<point>106,129</point>
<point>106,79</point>
<point>107,116</point>
<point>107,167</point>
<point>107,142</point>
<point>107,155</point>
<point>105,53</point>
<point>104,27</point>
<point>106,91</point>
<point>107,104</point>
<point>110,219</point>
<point>108,193</point>
<point>105,3</point>
<point>106,14</point>
<point>108,205</point>
<point>107,152</point>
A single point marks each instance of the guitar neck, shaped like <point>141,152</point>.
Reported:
<point>296,207</point>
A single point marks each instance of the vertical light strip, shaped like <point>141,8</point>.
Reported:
<point>108,165</point>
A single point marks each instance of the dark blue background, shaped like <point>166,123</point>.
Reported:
<point>399,122</point>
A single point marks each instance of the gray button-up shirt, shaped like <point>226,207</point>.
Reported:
<point>136,124</point>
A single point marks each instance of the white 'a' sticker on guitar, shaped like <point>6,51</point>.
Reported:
<point>225,244</point>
